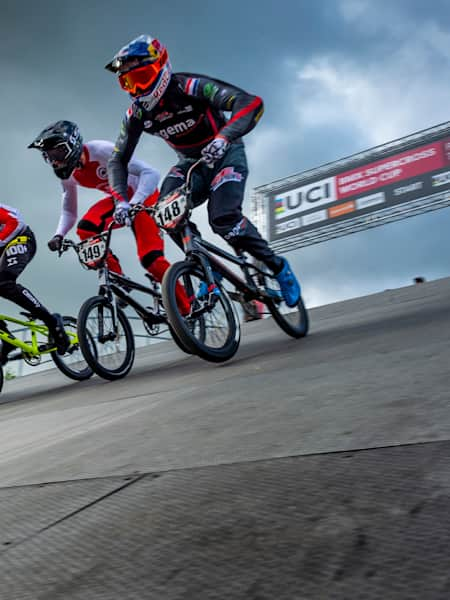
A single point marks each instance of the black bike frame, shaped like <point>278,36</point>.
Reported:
<point>150,317</point>
<point>111,285</point>
<point>199,250</point>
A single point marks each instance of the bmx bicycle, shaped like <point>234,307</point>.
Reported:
<point>105,333</point>
<point>203,275</point>
<point>38,344</point>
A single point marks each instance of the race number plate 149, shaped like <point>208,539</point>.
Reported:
<point>92,251</point>
<point>170,210</point>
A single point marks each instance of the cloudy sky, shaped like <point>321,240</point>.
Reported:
<point>337,77</point>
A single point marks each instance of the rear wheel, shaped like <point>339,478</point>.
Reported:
<point>293,320</point>
<point>211,330</point>
<point>106,338</point>
<point>72,363</point>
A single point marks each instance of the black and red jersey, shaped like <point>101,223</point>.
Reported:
<point>189,115</point>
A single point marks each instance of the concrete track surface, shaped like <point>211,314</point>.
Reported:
<point>300,470</point>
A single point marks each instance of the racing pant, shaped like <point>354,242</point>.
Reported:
<point>149,242</point>
<point>224,187</point>
<point>14,258</point>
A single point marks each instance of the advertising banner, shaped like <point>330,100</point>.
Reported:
<point>394,179</point>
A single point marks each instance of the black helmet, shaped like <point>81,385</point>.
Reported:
<point>61,145</point>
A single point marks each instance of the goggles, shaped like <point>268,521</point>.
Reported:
<point>139,80</point>
<point>58,155</point>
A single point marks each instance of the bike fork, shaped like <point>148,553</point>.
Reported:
<point>106,293</point>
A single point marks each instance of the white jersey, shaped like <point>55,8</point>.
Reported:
<point>142,181</point>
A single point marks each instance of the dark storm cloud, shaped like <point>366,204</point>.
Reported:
<point>299,55</point>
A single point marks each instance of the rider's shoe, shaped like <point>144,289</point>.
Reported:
<point>203,287</point>
<point>289,285</point>
<point>58,336</point>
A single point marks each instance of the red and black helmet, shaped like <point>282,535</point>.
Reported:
<point>143,68</point>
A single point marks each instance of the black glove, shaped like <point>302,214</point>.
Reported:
<point>55,243</point>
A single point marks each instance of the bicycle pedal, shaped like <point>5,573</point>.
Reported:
<point>45,347</point>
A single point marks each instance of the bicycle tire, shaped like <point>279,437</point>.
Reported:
<point>200,335</point>
<point>2,378</point>
<point>295,322</point>
<point>105,357</point>
<point>292,320</point>
<point>72,364</point>
<point>178,342</point>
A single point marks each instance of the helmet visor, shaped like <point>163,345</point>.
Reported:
<point>58,155</point>
<point>139,80</point>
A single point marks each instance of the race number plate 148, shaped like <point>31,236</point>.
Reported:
<point>170,210</point>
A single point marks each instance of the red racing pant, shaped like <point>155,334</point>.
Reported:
<point>149,243</point>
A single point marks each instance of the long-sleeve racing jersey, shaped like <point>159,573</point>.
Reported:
<point>11,224</point>
<point>188,116</point>
<point>141,182</point>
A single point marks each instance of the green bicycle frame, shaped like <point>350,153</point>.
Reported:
<point>32,348</point>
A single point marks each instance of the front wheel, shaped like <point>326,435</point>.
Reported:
<point>72,363</point>
<point>211,329</point>
<point>106,338</point>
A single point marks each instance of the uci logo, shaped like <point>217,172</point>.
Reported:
<point>305,198</point>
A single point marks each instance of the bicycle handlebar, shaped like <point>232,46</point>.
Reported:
<point>133,211</point>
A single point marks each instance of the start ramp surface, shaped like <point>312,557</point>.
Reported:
<point>301,469</point>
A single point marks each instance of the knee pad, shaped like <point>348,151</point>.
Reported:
<point>158,267</point>
<point>86,229</point>
<point>148,260</point>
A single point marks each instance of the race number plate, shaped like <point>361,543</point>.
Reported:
<point>170,210</point>
<point>92,251</point>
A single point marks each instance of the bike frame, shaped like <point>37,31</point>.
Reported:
<point>32,348</point>
<point>111,285</point>
<point>201,251</point>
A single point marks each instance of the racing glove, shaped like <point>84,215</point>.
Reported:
<point>215,150</point>
<point>121,213</point>
<point>55,243</point>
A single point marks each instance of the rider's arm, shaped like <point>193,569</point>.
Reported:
<point>69,208</point>
<point>130,132</point>
<point>246,109</point>
<point>148,178</point>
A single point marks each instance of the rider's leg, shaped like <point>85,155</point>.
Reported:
<point>96,220</point>
<point>12,263</point>
<point>226,219</point>
<point>150,248</point>
<point>199,185</point>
